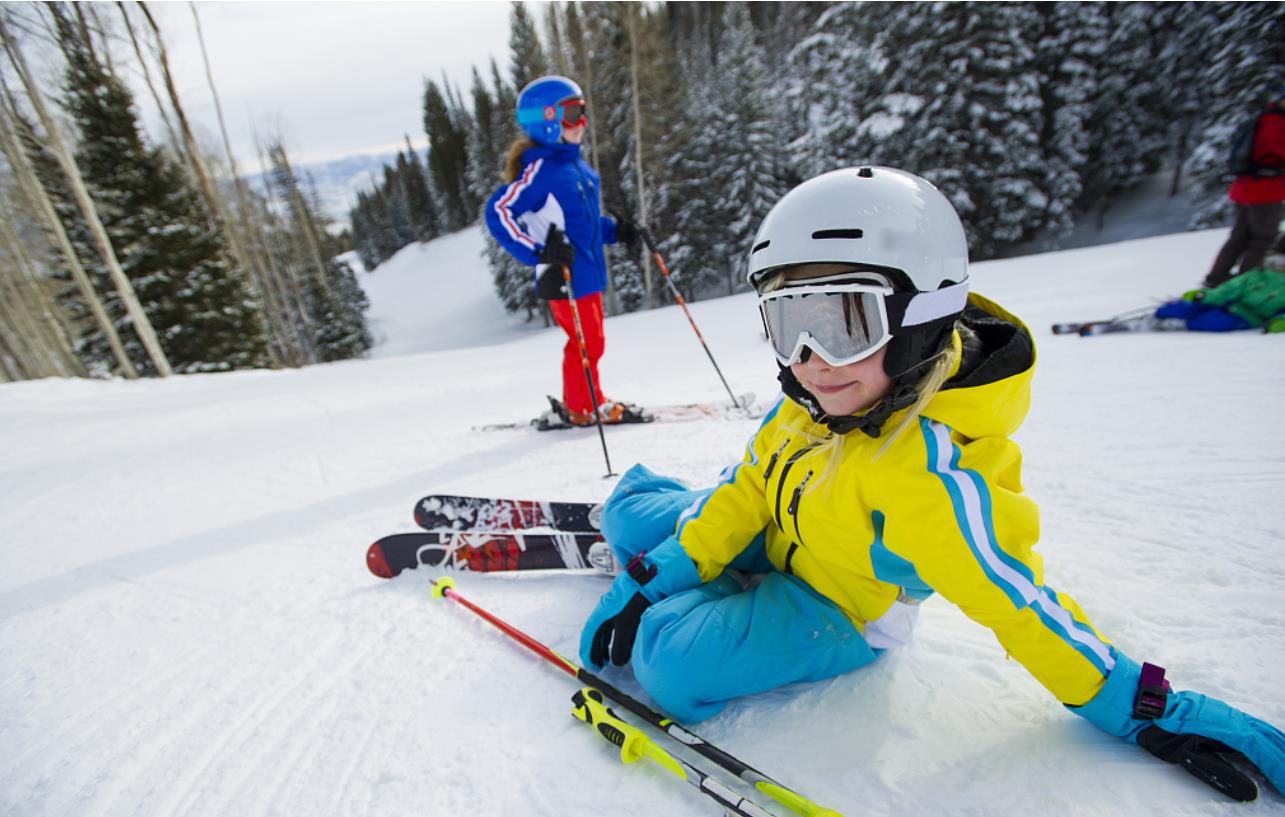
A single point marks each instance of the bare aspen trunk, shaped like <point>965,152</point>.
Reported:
<point>197,163</point>
<point>638,146</point>
<point>39,202</point>
<point>302,217</point>
<point>175,142</point>
<point>29,303</point>
<point>142,325</point>
<point>271,306</point>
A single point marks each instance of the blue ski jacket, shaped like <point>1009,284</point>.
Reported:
<point>557,187</point>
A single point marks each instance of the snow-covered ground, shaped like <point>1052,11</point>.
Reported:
<point>187,625</point>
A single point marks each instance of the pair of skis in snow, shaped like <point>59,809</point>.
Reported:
<point>484,534</point>
<point>1138,320</point>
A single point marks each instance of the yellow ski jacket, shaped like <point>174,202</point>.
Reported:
<point>941,510</point>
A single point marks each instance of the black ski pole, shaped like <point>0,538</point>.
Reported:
<point>664,271</point>
<point>584,363</point>
<point>445,586</point>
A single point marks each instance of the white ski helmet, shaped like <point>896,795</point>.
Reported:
<point>880,220</point>
<point>875,217</point>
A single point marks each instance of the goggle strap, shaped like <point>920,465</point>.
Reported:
<point>921,308</point>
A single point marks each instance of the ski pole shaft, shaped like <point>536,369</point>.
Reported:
<point>678,297</point>
<point>792,800</point>
<point>584,364</point>
<point>588,705</point>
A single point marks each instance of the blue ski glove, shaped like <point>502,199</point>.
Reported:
<point>1198,732</point>
<point>648,578</point>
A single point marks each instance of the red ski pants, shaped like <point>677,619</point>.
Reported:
<point>575,391</point>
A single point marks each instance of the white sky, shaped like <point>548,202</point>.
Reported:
<point>332,78</point>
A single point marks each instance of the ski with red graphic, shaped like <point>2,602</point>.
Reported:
<point>488,551</point>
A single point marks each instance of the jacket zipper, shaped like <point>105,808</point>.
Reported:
<point>785,472</point>
<point>771,464</point>
<point>582,188</point>
<point>793,510</point>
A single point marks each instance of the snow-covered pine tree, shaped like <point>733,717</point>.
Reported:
<point>749,147</point>
<point>836,74</point>
<point>419,201</point>
<point>333,302</point>
<point>965,75</point>
<point>398,204</point>
<point>527,60</point>
<point>1244,70</point>
<point>1069,50</point>
<point>1127,123</point>
<point>447,159</point>
<point>193,295</point>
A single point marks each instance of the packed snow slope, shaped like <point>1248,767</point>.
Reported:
<point>187,625</point>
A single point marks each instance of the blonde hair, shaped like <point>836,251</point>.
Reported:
<point>513,158</point>
<point>830,445</point>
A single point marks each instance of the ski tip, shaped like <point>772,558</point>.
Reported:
<point>377,563</point>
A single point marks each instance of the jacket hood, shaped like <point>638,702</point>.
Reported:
<point>990,393</point>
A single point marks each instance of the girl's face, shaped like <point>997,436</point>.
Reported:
<point>572,136</point>
<point>844,390</point>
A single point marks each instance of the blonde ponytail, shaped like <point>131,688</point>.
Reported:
<point>513,159</point>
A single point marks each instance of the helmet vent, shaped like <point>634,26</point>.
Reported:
<point>853,233</point>
<point>761,246</point>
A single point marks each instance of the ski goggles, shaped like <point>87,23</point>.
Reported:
<point>573,112</point>
<point>846,322</point>
<point>843,323</point>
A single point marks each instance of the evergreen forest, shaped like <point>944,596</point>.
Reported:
<point>119,257</point>
<point>1028,116</point>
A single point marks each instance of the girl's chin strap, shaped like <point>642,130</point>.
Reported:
<point>869,422</point>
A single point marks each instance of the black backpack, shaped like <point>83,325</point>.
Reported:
<point>1239,157</point>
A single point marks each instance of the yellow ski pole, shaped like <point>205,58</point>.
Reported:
<point>588,705</point>
<point>444,587</point>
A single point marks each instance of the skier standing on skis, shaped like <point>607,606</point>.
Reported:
<point>885,474</point>
<point>547,215</point>
<point>1259,198</point>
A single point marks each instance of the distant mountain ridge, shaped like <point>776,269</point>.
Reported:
<point>337,181</point>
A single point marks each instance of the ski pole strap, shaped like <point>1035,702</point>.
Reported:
<point>589,706</point>
<point>1153,691</point>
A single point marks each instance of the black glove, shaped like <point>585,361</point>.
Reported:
<point>615,636</point>
<point>627,232</point>
<point>557,253</point>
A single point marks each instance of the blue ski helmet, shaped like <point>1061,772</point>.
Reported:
<point>541,108</point>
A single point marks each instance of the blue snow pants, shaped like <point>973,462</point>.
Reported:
<point>699,648</point>
<point>1202,317</point>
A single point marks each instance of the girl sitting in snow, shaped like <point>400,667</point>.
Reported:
<point>884,475</point>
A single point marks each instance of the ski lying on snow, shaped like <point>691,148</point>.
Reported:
<point>1144,323</point>
<point>489,551</point>
<point>451,512</point>
<point>676,413</point>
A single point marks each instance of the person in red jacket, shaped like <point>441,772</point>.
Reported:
<point>1259,199</point>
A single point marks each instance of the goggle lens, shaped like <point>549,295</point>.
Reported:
<point>843,324</point>
<point>573,113</point>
